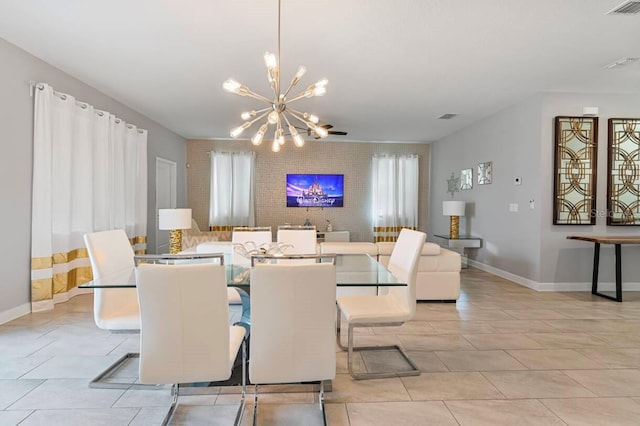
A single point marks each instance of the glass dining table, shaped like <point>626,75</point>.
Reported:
<point>352,270</point>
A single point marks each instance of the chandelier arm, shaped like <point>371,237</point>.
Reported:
<point>264,114</point>
<point>299,96</point>
<point>286,119</point>
<point>263,110</point>
<point>274,84</point>
<point>297,117</point>
<point>295,111</point>
<point>293,83</point>
<point>254,95</point>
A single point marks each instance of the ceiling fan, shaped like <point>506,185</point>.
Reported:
<point>310,131</point>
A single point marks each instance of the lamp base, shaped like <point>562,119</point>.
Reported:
<point>175,241</point>
<point>454,227</point>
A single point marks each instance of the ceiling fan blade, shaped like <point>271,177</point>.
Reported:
<point>337,132</point>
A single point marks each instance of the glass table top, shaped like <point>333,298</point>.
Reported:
<point>351,270</point>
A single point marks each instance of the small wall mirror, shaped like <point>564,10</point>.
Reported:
<point>466,179</point>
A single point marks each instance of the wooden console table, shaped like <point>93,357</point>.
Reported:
<point>617,241</point>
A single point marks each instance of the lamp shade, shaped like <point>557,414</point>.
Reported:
<point>174,219</point>
<point>453,208</point>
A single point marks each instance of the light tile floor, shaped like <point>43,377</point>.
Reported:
<point>502,355</point>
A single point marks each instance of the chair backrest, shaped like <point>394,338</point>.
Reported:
<point>258,236</point>
<point>184,313</point>
<point>304,241</point>
<point>293,313</point>
<point>403,264</point>
<point>110,254</point>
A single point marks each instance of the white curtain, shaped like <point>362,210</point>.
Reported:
<point>395,194</point>
<point>89,174</point>
<point>232,189</point>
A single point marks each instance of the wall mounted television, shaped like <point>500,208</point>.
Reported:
<point>315,190</point>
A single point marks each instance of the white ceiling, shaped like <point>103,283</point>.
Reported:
<point>393,67</point>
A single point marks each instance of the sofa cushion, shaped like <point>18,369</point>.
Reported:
<point>349,247</point>
<point>215,247</point>
<point>428,249</point>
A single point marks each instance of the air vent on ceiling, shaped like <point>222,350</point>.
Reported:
<point>621,62</point>
<point>446,116</point>
<point>629,7</point>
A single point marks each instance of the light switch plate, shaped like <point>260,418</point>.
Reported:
<point>513,207</point>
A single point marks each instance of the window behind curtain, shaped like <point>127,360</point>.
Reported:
<point>232,189</point>
<point>395,195</point>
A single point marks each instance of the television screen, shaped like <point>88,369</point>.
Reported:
<point>315,190</point>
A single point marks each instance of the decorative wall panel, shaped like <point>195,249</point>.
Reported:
<point>576,143</point>
<point>623,186</point>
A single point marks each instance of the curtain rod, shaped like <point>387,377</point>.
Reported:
<point>40,86</point>
<point>230,152</point>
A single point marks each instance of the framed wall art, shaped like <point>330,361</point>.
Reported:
<point>623,181</point>
<point>453,184</point>
<point>466,179</point>
<point>575,152</point>
<point>485,173</point>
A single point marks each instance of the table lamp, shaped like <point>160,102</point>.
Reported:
<point>174,220</point>
<point>453,209</point>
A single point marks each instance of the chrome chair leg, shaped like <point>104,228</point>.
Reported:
<point>321,402</point>
<point>240,412</point>
<point>414,371</point>
<point>255,405</point>
<point>175,391</point>
<point>99,383</point>
<point>174,404</point>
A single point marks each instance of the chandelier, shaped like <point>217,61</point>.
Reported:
<point>278,112</point>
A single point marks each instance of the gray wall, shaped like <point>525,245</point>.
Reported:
<point>348,158</point>
<point>16,141</point>
<point>519,141</point>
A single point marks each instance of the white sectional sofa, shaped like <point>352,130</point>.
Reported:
<point>438,270</point>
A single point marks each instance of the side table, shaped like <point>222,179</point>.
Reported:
<point>617,241</point>
<point>459,245</point>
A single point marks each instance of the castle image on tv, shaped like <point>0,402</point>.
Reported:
<point>305,190</point>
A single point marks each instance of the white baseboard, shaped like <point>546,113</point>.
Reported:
<point>47,305</point>
<point>13,313</point>
<point>566,286</point>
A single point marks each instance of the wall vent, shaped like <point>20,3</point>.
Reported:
<point>630,7</point>
<point>446,116</point>
<point>621,62</point>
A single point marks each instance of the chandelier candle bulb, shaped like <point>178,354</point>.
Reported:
<point>312,118</point>
<point>247,115</point>
<point>321,131</point>
<point>238,130</point>
<point>231,86</point>
<point>270,61</point>
<point>280,136</point>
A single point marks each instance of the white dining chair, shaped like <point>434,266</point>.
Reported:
<point>116,310</point>
<point>185,335</point>
<point>391,309</point>
<point>302,240</point>
<point>292,325</point>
